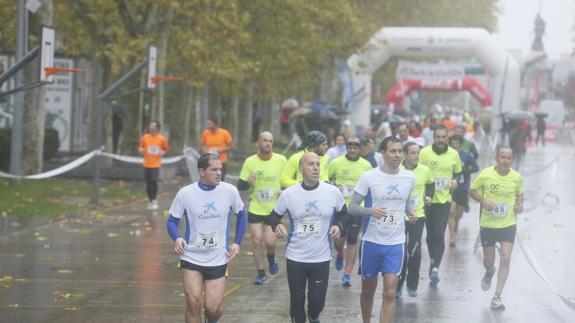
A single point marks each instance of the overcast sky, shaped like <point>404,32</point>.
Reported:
<point>515,27</point>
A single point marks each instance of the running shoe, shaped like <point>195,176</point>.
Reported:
<point>339,262</point>
<point>412,292</point>
<point>154,205</point>
<point>274,267</point>
<point>260,280</point>
<point>486,280</point>
<point>496,303</point>
<point>346,280</point>
<point>150,206</point>
<point>398,294</point>
<point>434,276</point>
<point>206,320</point>
<point>313,320</point>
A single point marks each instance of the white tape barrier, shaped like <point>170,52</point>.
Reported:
<point>192,155</point>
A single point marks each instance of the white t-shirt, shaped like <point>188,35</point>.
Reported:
<point>207,220</point>
<point>392,193</point>
<point>311,216</point>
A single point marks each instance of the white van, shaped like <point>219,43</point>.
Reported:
<point>555,110</point>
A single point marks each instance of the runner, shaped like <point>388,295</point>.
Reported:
<point>344,172</point>
<point>421,196</point>
<point>445,167</point>
<point>217,140</point>
<point>386,192</point>
<point>466,145</point>
<point>312,206</point>
<point>338,149</point>
<point>315,142</point>
<point>403,134</point>
<point>367,151</point>
<point>499,190</point>
<point>459,195</point>
<point>204,249</point>
<point>262,172</point>
<point>153,146</point>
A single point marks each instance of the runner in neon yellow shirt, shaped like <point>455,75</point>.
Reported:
<point>262,172</point>
<point>445,165</point>
<point>344,172</point>
<point>421,196</point>
<point>315,142</point>
<point>499,190</point>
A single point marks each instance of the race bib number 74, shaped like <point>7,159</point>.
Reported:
<point>206,241</point>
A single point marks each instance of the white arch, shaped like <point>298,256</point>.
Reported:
<point>433,42</point>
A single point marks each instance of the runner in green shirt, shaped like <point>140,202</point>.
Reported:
<point>315,142</point>
<point>445,166</point>
<point>499,190</point>
<point>344,172</point>
<point>262,172</point>
<point>421,196</point>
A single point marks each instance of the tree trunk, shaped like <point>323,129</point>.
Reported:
<point>245,121</point>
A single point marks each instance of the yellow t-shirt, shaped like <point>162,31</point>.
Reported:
<point>501,190</point>
<point>266,188</point>
<point>423,176</point>
<point>442,168</point>
<point>345,173</point>
<point>292,175</point>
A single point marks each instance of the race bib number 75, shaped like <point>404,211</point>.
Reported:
<point>309,227</point>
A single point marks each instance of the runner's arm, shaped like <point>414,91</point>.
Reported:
<point>341,218</point>
<point>430,190</point>
<point>241,226</point>
<point>243,185</point>
<point>172,226</point>
<point>274,219</point>
<point>355,208</point>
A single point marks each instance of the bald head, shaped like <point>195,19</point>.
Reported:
<point>265,142</point>
<point>310,168</point>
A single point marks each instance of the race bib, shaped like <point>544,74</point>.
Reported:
<point>207,241</point>
<point>213,151</point>
<point>500,210</point>
<point>153,150</point>
<point>414,201</point>
<point>309,227</point>
<point>265,195</point>
<point>346,190</point>
<point>390,219</point>
<point>442,183</point>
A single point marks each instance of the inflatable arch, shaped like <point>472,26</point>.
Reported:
<point>433,42</point>
<point>396,96</point>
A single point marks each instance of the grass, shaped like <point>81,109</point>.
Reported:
<point>53,197</point>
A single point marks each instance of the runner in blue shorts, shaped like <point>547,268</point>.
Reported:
<point>385,190</point>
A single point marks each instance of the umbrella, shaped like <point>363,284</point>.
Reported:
<point>541,114</point>
<point>520,115</point>
<point>394,118</point>
<point>300,112</point>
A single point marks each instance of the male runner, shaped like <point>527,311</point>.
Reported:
<point>459,195</point>
<point>445,167</point>
<point>204,249</point>
<point>262,172</point>
<point>312,206</point>
<point>386,190</point>
<point>217,140</point>
<point>315,142</point>
<point>421,196</point>
<point>499,190</point>
<point>466,145</point>
<point>153,146</point>
<point>344,172</point>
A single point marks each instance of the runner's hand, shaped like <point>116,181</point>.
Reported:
<point>334,232</point>
<point>252,179</point>
<point>378,212</point>
<point>180,246</point>
<point>518,208</point>
<point>428,200</point>
<point>488,205</point>
<point>280,231</point>
<point>412,218</point>
<point>453,184</point>
<point>234,251</point>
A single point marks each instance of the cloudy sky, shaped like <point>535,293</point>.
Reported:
<point>515,28</point>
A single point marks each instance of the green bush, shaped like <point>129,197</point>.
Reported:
<point>51,146</point>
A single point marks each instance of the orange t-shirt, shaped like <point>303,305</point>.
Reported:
<point>219,139</point>
<point>153,144</point>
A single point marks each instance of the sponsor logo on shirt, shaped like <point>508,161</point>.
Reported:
<point>210,211</point>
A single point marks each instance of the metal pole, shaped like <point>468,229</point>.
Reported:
<point>100,109</point>
<point>18,110</point>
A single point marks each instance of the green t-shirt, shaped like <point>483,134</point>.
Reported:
<point>345,173</point>
<point>266,188</point>
<point>423,176</point>
<point>292,175</point>
<point>442,168</point>
<point>502,191</point>
<point>469,147</point>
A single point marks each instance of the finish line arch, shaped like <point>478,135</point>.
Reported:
<point>396,96</point>
<point>433,42</point>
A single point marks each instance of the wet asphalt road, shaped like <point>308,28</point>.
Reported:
<point>117,265</point>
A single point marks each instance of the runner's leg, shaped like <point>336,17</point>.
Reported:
<point>256,237</point>
<point>368,288</point>
<point>193,282</point>
<point>504,262</point>
<point>297,278</point>
<point>318,278</point>
<point>214,298</point>
<point>388,307</point>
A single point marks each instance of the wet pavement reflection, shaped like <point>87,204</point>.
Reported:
<point>118,265</point>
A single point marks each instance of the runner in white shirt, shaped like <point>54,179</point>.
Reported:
<point>204,249</point>
<point>317,214</point>
<point>386,191</point>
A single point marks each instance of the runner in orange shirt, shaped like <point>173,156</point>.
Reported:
<point>218,141</point>
<point>153,146</point>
